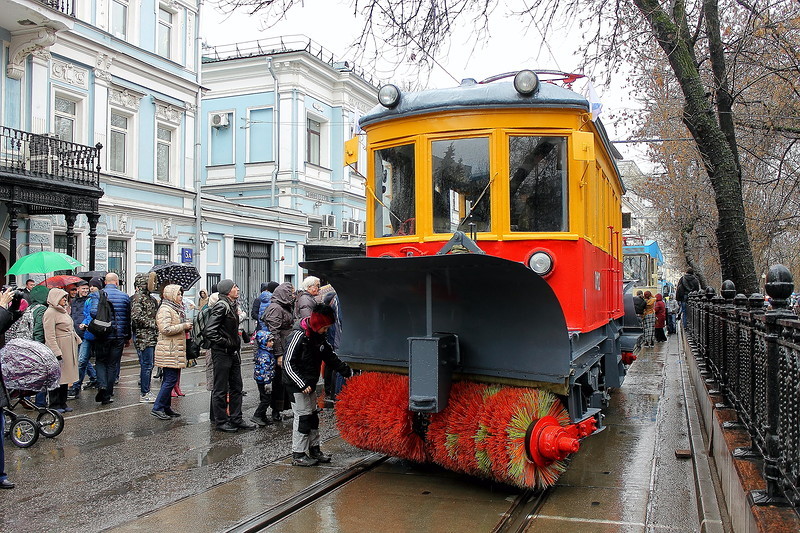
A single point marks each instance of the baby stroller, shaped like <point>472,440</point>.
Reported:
<point>28,367</point>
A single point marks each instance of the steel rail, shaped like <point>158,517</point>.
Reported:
<point>522,511</point>
<point>309,495</point>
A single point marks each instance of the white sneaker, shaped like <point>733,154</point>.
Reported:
<point>147,398</point>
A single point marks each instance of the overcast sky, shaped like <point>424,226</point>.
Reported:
<point>331,24</point>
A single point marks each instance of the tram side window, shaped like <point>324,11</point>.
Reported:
<point>461,185</point>
<point>394,191</point>
<point>538,183</point>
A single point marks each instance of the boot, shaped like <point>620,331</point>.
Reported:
<point>301,459</point>
<point>100,395</point>
<point>315,453</point>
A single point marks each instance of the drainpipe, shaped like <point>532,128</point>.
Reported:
<point>198,198</point>
<point>276,136</point>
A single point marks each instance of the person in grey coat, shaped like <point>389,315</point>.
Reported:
<point>279,319</point>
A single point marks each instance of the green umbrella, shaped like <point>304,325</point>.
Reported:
<point>42,263</point>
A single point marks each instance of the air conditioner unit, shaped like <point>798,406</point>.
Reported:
<point>219,120</point>
<point>329,221</point>
<point>350,227</point>
<point>323,233</point>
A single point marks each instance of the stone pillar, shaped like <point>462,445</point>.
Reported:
<point>13,225</point>
<point>69,218</point>
<point>93,219</point>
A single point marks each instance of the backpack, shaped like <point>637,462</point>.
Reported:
<point>102,325</point>
<point>199,326</point>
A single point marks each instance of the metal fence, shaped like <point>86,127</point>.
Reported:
<point>49,157</point>
<point>752,354</point>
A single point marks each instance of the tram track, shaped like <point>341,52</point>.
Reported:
<point>308,496</point>
<point>522,511</point>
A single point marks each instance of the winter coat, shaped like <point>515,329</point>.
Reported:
<point>305,352</point>
<point>264,300</point>
<point>143,315</point>
<point>688,283</point>
<point>60,336</point>
<point>222,328</point>
<point>264,359</point>
<point>279,317</point>
<point>170,349</point>
<point>122,312</point>
<point>89,307</point>
<point>6,319</point>
<point>255,311</point>
<point>39,296</point>
<point>648,308</point>
<point>76,312</point>
<point>304,304</point>
<point>661,311</point>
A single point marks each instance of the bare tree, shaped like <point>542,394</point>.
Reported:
<point>710,46</point>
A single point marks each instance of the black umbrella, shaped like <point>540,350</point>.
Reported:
<point>88,275</point>
<point>177,274</point>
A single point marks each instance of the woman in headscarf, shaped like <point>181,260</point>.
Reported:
<point>649,319</point>
<point>173,330</point>
<point>60,336</point>
<point>660,310</point>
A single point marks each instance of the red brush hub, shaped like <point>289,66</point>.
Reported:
<point>547,441</point>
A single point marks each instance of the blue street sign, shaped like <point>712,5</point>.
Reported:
<point>186,255</point>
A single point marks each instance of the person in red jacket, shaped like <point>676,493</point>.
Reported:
<point>661,318</point>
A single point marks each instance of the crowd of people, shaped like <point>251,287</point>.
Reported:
<point>297,331</point>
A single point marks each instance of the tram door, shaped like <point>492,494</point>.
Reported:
<point>251,262</point>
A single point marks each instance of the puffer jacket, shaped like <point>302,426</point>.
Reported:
<point>122,312</point>
<point>264,300</point>
<point>279,317</point>
<point>305,352</point>
<point>170,349</point>
<point>89,307</point>
<point>143,315</point>
<point>222,328</point>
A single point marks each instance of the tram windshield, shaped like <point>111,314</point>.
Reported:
<point>538,183</point>
<point>461,185</point>
<point>394,191</point>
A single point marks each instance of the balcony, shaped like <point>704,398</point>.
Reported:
<point>20,15</point>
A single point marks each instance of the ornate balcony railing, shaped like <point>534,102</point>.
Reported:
<point>64,6</point>
<point>49,158</point>
<point>753,357</point>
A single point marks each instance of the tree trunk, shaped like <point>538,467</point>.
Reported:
<point>735,254</point>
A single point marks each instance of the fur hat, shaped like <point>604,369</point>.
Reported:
<point>321,316</point>
<point>225,286</point>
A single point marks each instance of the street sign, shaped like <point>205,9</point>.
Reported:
<point>187,255</point>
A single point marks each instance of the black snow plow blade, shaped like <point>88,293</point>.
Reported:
<point>508,321</point>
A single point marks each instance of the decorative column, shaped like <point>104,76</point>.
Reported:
<point>13,211</point>
<point>70,220</point>
<point>93,219</point>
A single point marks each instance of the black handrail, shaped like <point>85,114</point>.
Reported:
<point>753,356</point>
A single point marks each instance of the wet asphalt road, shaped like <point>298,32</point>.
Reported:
<point>114,463</point>
<point>117,467</point>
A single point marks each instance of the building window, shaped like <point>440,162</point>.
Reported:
<point>313,137</point>
<point>118,258</point>
<point>119,19</point>
<point>163,154</point>
<point>65,119</point>
<point>60,242</point>
<point>211,280</point>
<point>164,44</point>
<point>161,253</point>
<point>118,139</point>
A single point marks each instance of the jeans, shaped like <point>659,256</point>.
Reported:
<point>3,475</point>
<point>146,368</point>
<point>164,398</point>
<point>84,364</point>
<point>107,355</point>
<point>227,393</point>
<point>683,313</point>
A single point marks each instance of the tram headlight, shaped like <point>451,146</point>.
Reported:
<point>541,263</point>
<point>389,95</point>
<point>526,82</point>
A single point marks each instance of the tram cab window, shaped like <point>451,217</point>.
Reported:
<point>461,185</point>
<point>394,191</point>
<point>538,183</point>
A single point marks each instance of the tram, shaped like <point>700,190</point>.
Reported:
<point>486,319</point>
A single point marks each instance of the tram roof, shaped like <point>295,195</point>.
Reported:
<point>471,94</point>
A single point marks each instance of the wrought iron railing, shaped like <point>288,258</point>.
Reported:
<point>752,355</point>
<point>64,6</point>
<point>48,157</point>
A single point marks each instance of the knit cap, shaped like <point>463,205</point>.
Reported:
<point>272,285</point>
<point>96,282</point>
<point>225,286</point>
